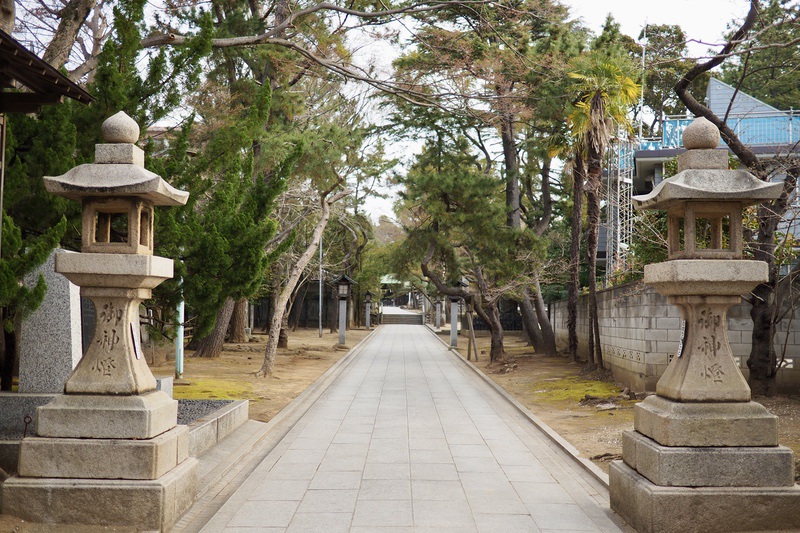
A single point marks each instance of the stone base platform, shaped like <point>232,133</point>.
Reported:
<point>147,505</point>
<point>708,466</point>
<point>673,423</point>
<point>107,417</point>
<point>650,508</point>
<point>46,457</point>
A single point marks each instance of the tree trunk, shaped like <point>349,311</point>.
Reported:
<point>71,18</point>
<point>593,219</point>
<point>297,306</point>
<point>211,346</point>
<point>294,277</point>
<point>8,351</point>
<point>548,335</point>
<point>490,314</point>
<point>575,260</point>
<point>530,323</point>
<point>333,310</point>
<point>763,361</point>
<point>513,218</point>
<point>283,336</point>
<point>497,352</point>
<point>239,321</point>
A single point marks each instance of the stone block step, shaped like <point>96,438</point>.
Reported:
<point>404,319</point>
<point>767,466</point>
<point>46,457</point>
<point>650,508</point>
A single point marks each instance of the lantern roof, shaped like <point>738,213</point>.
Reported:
<point>346,279</point>
<point>737,186</point>
<point>704,175</point>
<point>118,170</point>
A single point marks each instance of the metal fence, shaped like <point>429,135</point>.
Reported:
<point>754,129</point>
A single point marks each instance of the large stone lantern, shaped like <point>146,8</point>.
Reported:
<point>116,268</point>
<point>703,457</point>
<point>109,451</point>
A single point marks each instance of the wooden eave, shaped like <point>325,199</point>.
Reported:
<point>46,85</point>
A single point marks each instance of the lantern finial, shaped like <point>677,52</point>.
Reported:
<point>120,128</point>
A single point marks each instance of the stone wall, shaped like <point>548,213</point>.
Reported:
<point>640,332</point>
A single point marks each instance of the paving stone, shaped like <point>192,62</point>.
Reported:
<point>320,522</point>
<point>328,501</point>
<point>382,513</point>
<point>336,480</point>
<point>440,514</point>
<point>507,523</point>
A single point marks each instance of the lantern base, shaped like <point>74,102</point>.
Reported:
<point>711,277</point>
<point>95,416</point>
<point>650,508</point>
<point>148,505</point>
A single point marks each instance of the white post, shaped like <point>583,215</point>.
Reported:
<point>342,319</point>
<point>454,322</point>
<point>179,343</point>
<point>320,287</point>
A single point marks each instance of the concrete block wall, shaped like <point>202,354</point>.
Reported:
<point>640,332</point>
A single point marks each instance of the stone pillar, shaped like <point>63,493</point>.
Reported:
<point>702,456</point>
<point>50,338</point>
<point>342,320</point>
<point>368,304</point>
<point>454,322</point>
<point>438,315</point>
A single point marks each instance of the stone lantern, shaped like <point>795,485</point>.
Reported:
<point>703,457</point>
<point>109,451</point>
<point>343,287</point>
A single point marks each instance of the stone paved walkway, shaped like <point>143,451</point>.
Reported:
<point>410,439</point>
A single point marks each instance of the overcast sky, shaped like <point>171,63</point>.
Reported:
<point>703,20</point>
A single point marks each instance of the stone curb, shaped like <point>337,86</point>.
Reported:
<point>557,439</point>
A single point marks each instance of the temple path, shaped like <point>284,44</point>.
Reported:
<point>408,438</point>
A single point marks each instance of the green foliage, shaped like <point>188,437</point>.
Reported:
<point>41,145</point>
<point>459,212</point>
<point>20,256</point>
<point>599,76</point>
<point>665,63</point>
<point>220,236</point>
<point>613,43</point>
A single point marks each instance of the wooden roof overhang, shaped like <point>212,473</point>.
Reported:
<point>46,85</point>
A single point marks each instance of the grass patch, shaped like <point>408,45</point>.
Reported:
<point>215,389</point>
<point>574,389</point>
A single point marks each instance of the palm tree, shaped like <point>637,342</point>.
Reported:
<point>605,90</point>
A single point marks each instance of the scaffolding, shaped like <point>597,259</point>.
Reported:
<point>619,215</point>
